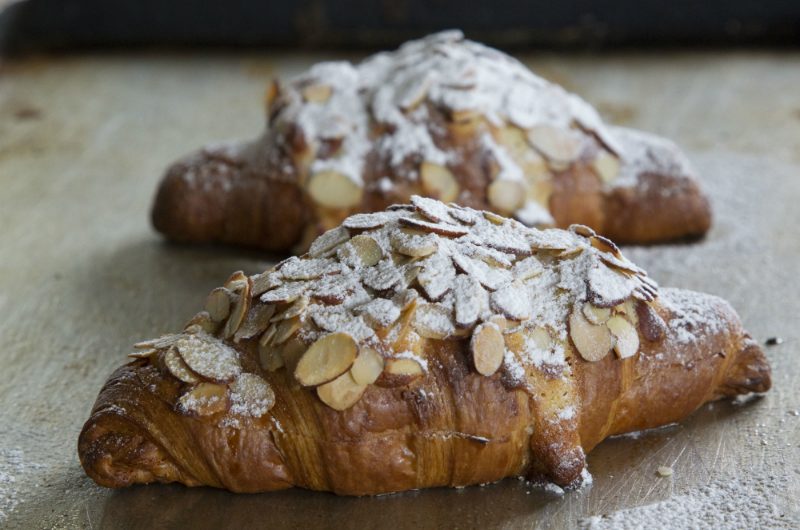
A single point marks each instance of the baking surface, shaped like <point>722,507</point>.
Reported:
<point>83,141</point>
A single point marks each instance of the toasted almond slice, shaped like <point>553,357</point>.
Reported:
<point>265,281</point>
<point>379,313</point>
<point>494,218</point>
<point>288,292</point>
<point>596,315</point>
<point>414,244</point>
<point>506,195</point>
<point>560,146</point>
<point>334,190</point>
<point>271,94</point>
<point>286,329</point>
<point>438,182</point>
<point>269,357</point>
<point>513,301</point>
<point>328,241</point>
<point>527,268</point>
<point>317,93</point>
<point>251,396</point>
<point>443,229</point>
<point>142,354</point>
<point>465,122</point>
<point>606,166</point>
<point>411,93</point>
<point>258,319</point>
<point>592,342</point>
<point>203,321</point>
<point>608,287</point>
<point>627,339</point>
<point>604,244</point>
<point>268,335</point>
<point>341,393</point>
<point>209,357</point>
<point>502,323</point>
<point>382,277</point>
<point>295,309</point>
<point>466,216</point>
<point>239,311</point>
<point>326,359</point>
<point>164,341</point>
<point>218,304</point>
<point>367,221</point>
<point>582,230</point>
<point>652,325</point>
<point>433,321</point>
<point>367,367</point>
<point>570,253</point>
<point>178,368</point>
<point>404,366</point>
<point>205,399</point>
<point>361,251</point>
<point>295,268</point>
<point>433,210</point>
<point>488,349</point>
<point>436,276</point>
<point>470,300</point>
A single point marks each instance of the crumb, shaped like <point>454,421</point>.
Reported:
<point>664,471</point>
<point>773,341</point>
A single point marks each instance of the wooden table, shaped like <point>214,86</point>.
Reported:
<point>82,276</point>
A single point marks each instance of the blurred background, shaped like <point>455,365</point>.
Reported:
<point>37,25</point>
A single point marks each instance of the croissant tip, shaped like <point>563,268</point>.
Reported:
<point>750,373</point>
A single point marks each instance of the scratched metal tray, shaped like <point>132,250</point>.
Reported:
<point>82,277</point>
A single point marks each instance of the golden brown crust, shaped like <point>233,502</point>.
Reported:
<point>453,427</point>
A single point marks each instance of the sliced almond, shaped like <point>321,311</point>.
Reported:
<point>295,268</point>
<point>367,221</point>
<point>341,393</point>
<point>288,292</point>
<point>414,244</point>
<point>367,367</point>
<point>596,315</point>
<point>541,339</point>
<point>433,321</point>
<point>271,93</point>
<point>470,300</point>
<point>382,277</point>
<point>328,241</point>
<point>443,229</point>
<point>286,329</point>
<point>296,308</point>
<point>317,93</point>
<point>268,335</point>
<point>513,301</point>
<point>205,399</point>
<point>436,276</point>
<point>604,244</point>
<point>332,189</point>
<point>238,312</point>
<point>465,122</point>
<point>606,166</point>
<point>627,340</point>
<point>582,230</point>
<point>361,251</point>
<point>251,396</point>
<point>218,304</point>
<point>209,357</point>
<point>438,182</point>
<point>326,359</point>
<point>652,325</point>
<point>178,368</point>
<point>291,352</point>
<point>143,354</point>
<point>258,319</point>
<point>558,145</point>
<point>379,312</point>
<point>527,268</point>
<point>592,342</point>
<point>404,367</point>
<point>494,218</point>
<point>433,210</point>
<point>507,196</point>
<point>203,321</point>
<point>488,349</point>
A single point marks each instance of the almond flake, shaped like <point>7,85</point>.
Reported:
<point>513,301</point>
<point>238,311</point>
<point>367,221</point>
<point>527,268</point>
<point>328,241</point>
<point>331,189</point>
<point>218,304</point>
<point>209,357</point>
<point>341,393</point>
<point>627,340</point>
<point>433,321</point>
<point>367,367</point>
<point>251,396</point>
<point>326,359</point>
<point>592,342</point>
<point>442,229</point>
<point>286,329</point>
<point>488,349</point>
<point>383,276</point>
<point>308,269</point>
<point>506,195</point>
<point>178,368</point>
<point>607,287</point>
<point>466,216</point>
<point>361,251</point>
<point>596,315</point>
<point>379,313</point>
<point>487,276</point>
<point>413,244</point>
<point>265,281</point>
<point>438,182</point>
<point>288,292</point>
<point>434,210</point>
<point>557,145</point>
<point>436,276</point>
<point>205,399</point>
<point>470,300</point>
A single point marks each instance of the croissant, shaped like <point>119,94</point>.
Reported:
<point>442,117</point>
<point>426,345</point>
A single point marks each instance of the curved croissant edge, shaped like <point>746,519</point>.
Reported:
<point>136,435</point>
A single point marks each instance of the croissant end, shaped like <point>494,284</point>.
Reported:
<point>751,372</point>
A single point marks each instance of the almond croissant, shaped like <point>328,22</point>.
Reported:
<point>426,345</point>
<point>443,117</point>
